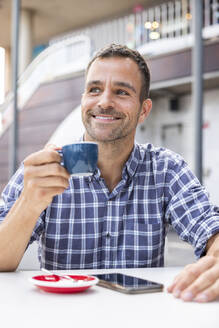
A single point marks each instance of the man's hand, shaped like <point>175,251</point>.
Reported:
<point>199,281</point>
<point>44,177</point>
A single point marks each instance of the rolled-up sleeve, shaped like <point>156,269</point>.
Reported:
<point>9,196</point>
<point>189,210</point>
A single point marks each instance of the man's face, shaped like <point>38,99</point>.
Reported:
<point>111,106</point>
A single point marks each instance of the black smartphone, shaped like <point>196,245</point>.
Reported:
<point>128,284</point>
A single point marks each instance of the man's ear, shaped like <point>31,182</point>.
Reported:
<point>145,110</point>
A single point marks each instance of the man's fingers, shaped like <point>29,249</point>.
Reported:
<point>202,283</point>
<point>52,146</point>
<point>44,177</point>
<point>52,169</point>
<point>195,278</point>
<point>47,193</point>
<point>188,275</point>
<point>209,294</point>
<point>48,182</point>
<point>43,157</point>
<point>44,189</point>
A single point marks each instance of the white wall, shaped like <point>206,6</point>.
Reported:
<point>159,120</point>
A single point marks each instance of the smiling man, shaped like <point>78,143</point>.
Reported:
<point>112,106</point>
<point>118,217</point>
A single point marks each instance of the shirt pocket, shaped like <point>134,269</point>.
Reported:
<point>144,227</point>
<point>144,241</point>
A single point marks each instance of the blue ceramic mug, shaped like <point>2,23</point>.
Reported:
<point>80,158</point>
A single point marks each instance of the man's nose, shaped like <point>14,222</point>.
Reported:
<point>106,100</point>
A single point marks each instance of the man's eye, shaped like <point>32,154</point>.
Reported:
<point>94,90</point>
<point>122,92</point>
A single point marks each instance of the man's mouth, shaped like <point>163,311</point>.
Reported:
<point>106,118</point>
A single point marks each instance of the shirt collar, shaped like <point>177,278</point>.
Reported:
<point>130,166</point>
<point>132,162</point>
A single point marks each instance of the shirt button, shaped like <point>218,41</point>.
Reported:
<point>107,234</point>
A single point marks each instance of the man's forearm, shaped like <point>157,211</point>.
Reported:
<point>213,246</point>
<point>15,233</point>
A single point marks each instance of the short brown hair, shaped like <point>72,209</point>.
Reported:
<point>117,50</point>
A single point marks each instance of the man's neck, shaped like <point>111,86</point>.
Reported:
<point>112,157</point>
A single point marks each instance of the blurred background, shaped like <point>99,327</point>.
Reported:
<point>56,41</point>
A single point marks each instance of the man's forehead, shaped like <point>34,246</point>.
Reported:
<point>113,60</point>
<point>112,66</point>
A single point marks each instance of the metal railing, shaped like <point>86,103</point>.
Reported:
<point>172,19</point>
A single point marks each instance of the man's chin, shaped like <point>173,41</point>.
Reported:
<point>100,138</point>
<point>104,140</point>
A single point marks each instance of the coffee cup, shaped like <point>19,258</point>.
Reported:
<point>80,158</point>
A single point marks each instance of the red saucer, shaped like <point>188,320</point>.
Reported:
<point>55,284</point>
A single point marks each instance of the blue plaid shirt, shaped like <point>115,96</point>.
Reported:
<point>88,227</point>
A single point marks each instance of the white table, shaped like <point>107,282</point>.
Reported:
<point>23,305</point>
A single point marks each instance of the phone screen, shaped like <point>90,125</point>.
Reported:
<point>128,284</point>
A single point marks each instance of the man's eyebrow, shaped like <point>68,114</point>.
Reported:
<point>117,83</point>
<point>93,82</point>
<point>125,85</point>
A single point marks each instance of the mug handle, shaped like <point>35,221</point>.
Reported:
<point>59,150</point>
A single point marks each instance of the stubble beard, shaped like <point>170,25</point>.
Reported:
<point>117,134</point>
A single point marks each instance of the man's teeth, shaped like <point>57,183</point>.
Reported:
<point>105,118</point>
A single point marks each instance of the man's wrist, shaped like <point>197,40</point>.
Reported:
<point>27,206</point>
<point>213,246</point>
